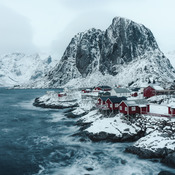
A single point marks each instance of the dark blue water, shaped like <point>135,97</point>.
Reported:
<point>39,141</point>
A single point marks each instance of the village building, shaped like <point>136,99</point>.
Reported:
<point>103,88</point>
<point>120,92</point>
<point>130,107</point>
<point>101,100</point>
<point>101,103</point>
<point>86,90</point>
<point>171,109</point>
<point>104,94</point>
<point>113,102</point>
<point>135,92</point>
<point>153,90</point>
<point>61,94</point>
<point>157,110</point>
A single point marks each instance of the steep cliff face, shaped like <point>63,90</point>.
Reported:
<point>114,53</point>
<point>80,59</point>
<point>124,41</point>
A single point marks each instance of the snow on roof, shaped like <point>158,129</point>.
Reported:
<point>156,87</point>
<point>142,105</point>
<point>136,102</point>
<point>143,85</point>
<point>172,105</point>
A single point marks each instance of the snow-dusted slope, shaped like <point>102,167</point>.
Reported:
<point>18,68</point>
<point>126,53</point>
<point>171,57</point>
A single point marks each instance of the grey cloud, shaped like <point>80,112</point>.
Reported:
<point>15,32</point>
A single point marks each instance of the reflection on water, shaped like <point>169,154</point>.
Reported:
<point>39,141</point>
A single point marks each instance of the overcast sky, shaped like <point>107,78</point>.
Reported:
<point>48,25</point>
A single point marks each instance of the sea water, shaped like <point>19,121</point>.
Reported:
<point>39,141</point>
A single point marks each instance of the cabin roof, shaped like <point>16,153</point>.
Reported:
<point>135,89</point>
<point>138,102</point>
<point>104,87</point>
<point>171,105</point>
<point>103,98</point>
<point>156,87</point>
<point>115,99</point>
<point>122,90</point>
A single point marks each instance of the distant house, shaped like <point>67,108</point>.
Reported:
<point>151,91</point>
<point>101,100</point>
<point>101,103</point>
<point>156,90</point>
<point>103,88</point>
<point>171,109</point>
<point>130,107</point>
<point>86,90</point>
<point>113,102</point>
<point>120,92</point>
<point>135,92</point>
<point>61,94</point>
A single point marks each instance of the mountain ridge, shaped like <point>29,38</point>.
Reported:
<point>19,68</point>
<point>126,53</point>
<point>112,52</point>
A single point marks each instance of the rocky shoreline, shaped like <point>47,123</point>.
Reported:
<point>38,103</point>
<point>163,125</point>
<point>152,137</point>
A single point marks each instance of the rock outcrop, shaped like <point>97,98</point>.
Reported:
<point>126,52</point>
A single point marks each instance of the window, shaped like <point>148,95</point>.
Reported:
<point>102,102</point>
<point>116,105</point>
<point>125,108</point>
<point>133,108</point>
<point>111,105</point>
<point>120,107</point>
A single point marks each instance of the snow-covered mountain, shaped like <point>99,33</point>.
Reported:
<point>126,53</point>
<point>19,68</point>
<point>171,56</point>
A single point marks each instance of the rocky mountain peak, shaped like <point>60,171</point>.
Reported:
<point>108,52</point>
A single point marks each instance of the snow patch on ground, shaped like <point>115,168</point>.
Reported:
<point>114,125</point>
<point>91,116</point>
<point>156,140</point>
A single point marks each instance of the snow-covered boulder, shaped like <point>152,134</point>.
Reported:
<point>159,141</point>
<point>116,128</point>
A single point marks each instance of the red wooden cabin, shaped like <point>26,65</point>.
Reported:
<point>113,102</point>
<point>152,91</point>
<point>171,109</point>
<point>134,94</point>
<point>130,107</point>
<point>101,100</point>
<point>62,94</point>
